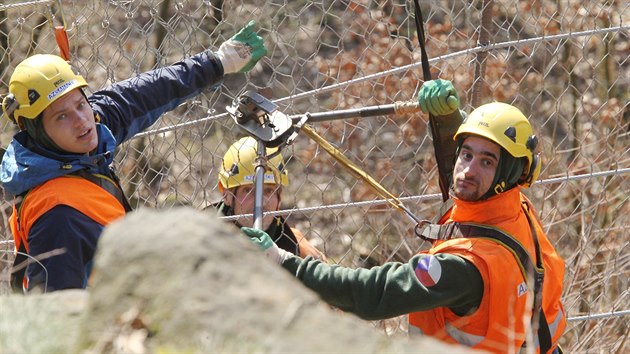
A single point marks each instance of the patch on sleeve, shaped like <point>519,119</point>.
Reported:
<point>429,271</point>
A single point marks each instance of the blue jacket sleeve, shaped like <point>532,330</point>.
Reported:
<point>130,106</point>
<point>62,228</point>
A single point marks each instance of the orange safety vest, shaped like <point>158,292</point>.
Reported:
<point>76,192</point>
<point>504,317</point>
<point>305,247</point>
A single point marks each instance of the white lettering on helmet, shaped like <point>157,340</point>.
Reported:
<point>267,177</point>
<point>60,89</point>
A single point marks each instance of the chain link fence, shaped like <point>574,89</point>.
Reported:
<point>566,64</point>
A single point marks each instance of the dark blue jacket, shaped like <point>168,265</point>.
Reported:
<point>125,108</point>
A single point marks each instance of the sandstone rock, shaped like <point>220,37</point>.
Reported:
<point>44,323</point>
<point>185,281</point>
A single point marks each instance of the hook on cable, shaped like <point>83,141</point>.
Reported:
<point>60,31</point>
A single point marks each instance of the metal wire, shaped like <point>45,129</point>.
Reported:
<point>24,4</point>
<point>426,197</point>
<point>340,85</point>
<point>599,316</point>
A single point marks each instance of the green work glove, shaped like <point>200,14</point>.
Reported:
<point>438,97</point>
<point>262,239</point>
<point>241,52</point>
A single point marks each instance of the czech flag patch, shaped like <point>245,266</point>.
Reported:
<point>429,271</point>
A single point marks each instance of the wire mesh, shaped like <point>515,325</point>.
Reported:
<point>565,64</point>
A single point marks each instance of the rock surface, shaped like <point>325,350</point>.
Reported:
<point>45,323</point>
<point>185,281</point>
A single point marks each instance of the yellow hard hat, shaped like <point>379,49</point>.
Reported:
<point>37,82</point>
<point>507,126</point>
<point>239,164</point>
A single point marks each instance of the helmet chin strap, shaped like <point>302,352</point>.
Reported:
<point>509,171</point>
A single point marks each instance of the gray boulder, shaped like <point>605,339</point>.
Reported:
<point>45,323</point>
<point>185,281</point>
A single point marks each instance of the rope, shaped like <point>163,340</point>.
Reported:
<point>477,49</point>
<point>358,173</point>
<point>441,149</point>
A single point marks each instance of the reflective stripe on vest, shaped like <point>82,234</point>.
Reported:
<point>460,336</point>
<point>463,337</point>
<point>443,324</point>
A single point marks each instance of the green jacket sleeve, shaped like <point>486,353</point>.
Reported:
<point>392,289</point>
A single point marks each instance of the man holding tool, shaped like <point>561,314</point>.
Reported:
<point>491,280</point>
<point>59,165</point>
<point>236,183</point>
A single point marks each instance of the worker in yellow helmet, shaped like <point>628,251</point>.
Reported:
<point>491,280</point>
<point>58,166</point>
<point>236,183</point>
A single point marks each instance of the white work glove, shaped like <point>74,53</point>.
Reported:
<point>241,52</point>
<point>262,239</point>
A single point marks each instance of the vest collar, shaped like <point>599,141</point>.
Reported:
<point>500,208</point>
